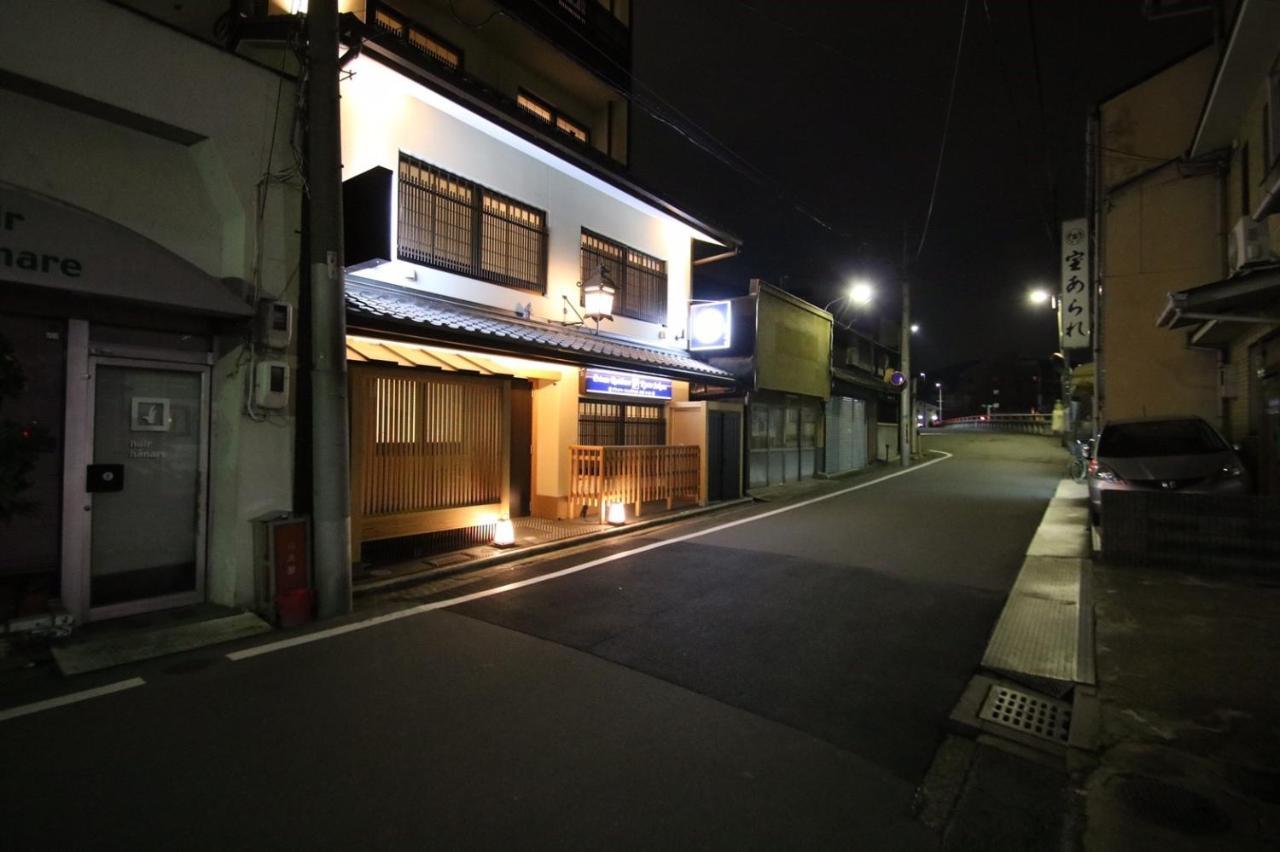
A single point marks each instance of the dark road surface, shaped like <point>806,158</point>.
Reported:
<point>779,684</point>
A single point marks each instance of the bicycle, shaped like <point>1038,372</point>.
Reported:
<point>1079,465</point>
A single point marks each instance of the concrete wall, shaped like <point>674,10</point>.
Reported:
<point>196,200</point>
<point>1159,234</point>
<point>383,114</point>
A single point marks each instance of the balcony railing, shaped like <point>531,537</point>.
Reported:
<point>633,476</point>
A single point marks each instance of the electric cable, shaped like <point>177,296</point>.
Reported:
<point>946,131</point>
<point>1017,117</point>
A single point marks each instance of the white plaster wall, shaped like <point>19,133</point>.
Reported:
<point>197,201</point>
<point>383,114</point>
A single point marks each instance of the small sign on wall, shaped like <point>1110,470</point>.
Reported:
<point>149,414</point>
<point>613,383</point>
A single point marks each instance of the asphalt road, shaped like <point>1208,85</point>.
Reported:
<point>782,683</point>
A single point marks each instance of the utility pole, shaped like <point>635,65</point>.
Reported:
<point>905,404</point>
<point>330,456</point>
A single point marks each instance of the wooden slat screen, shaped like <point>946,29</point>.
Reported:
<point>430,442</point>
<point>602,475</point>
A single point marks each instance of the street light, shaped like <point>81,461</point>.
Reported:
<point>915,327</point>
<point>1039,296</point>
<point>938,385</point>
<point>859,294</point>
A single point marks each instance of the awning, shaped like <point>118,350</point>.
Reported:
<point>46,243</point>
<point>1214,313</point>
<point>366,350</point>
<point>413,315</point>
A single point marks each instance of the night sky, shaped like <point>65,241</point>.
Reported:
<point>840,105</point>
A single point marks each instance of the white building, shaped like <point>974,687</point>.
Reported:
<point>476,208</point>
<point>149,205</point>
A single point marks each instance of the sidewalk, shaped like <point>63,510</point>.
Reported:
<point>1177,747</point>
<point>1189,722</point>
<point>537,537</point>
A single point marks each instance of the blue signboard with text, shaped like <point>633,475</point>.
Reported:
<point>626,384</point>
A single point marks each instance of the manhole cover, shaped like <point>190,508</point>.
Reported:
<point>1037,715</point>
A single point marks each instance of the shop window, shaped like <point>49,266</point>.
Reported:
<point>451,223</point>
<point>602,423</point>
<point>641,280</point>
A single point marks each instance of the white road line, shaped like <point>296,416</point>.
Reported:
<point>327,633</point>
<point>71,698</point>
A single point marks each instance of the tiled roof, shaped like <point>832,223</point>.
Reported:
<point>443,319</point>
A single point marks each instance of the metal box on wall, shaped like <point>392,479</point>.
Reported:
<point>282,551</point>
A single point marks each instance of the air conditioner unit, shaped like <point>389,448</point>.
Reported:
<point>1247,244</point>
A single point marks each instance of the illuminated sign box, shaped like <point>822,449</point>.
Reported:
<point>625,384</point>
<point>710,326</point>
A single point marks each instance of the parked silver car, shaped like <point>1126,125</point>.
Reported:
<point>1183,454</point>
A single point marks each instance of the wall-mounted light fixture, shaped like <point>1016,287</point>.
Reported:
<point>597,299</point>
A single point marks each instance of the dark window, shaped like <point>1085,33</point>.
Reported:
<point>1159,438</point>
<point>454,224</point>
<point>602,423</point>
<point>641,280</point>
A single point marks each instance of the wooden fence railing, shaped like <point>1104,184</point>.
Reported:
<point>632,475</point>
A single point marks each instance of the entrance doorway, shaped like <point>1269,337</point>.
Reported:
<point>138,542</point>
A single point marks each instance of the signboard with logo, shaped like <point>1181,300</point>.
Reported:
<point>710,326</point>
<point>1076,316</point>
<point>612,383</point>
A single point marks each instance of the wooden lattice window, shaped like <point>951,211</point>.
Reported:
<point>420,39</point>
<point>640,279</point>
<point>606,423</point>
<point>451,223</point>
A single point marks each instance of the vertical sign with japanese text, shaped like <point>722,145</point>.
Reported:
<point>1075,305</point>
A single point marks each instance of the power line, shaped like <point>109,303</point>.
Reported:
<point>1049,166</point>
<point>946,130</point>
<point>1017,117</point>
<point>719,150</point>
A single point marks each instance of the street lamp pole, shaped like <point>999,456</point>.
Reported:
<point>939,386</point>
<point>904,404</point>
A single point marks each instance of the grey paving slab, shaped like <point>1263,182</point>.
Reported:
<point>130,647</point>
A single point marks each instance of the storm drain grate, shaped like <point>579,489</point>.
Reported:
<point>1032,714</point>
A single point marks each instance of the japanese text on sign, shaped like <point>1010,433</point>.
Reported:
<point>1076,315</point>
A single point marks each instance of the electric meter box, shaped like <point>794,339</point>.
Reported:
<point>271,385</point>
<point>275,324</point>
